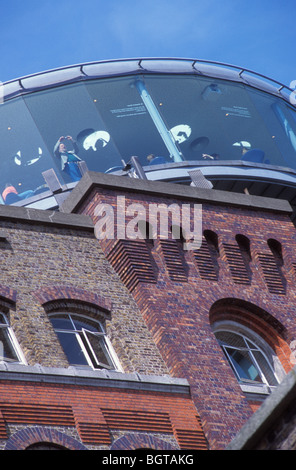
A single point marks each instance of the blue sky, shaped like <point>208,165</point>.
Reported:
<point>37,35</point>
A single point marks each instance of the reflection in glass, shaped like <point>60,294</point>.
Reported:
<point>24,155</point>
<point>212,119</point>
<point>127,119</point>
<point>68,157</point>
<point>71,111</point>
<point>160,118</point>
<point>83,341</point>
<point>246,359</point>
<point>243,365</point>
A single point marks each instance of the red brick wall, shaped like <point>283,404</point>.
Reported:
<point>96,412</point>
<point>179,312</point>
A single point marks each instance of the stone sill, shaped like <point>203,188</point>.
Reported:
<point>95,378</point>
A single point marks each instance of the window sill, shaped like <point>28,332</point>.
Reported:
<point>258,389</point>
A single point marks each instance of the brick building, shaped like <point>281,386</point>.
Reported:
<point>123,342</point>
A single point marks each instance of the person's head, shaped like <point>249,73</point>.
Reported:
<point>62,147</point>
<point>150,157</point>
<point>245,150</point>
<point>244,146</point>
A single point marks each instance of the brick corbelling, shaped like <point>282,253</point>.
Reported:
<point>93,433</point>
<point>132,261</point>
<point>3,431</point>
<point>96,411</point>
<point>40,413</point>
<point>51,293</point>
<point>140,420</point>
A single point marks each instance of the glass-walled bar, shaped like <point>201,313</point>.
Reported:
<point>161,118</point>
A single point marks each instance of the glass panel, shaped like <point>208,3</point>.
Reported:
<point>71,111</point>
<point>279,142</point>
<point>86,323</point>
<point>7,351</point>
<point>215,119</point>
<point>243,365</point>
<point>3,319</point>
<point>111,119</point>
<point>127,119</point>
<point>99,350</point>
<point>72,348</point>
<point>24,155</point>
<point>265,368</point>
<point>251,345</point>
<point>62,322</point>
<point>231,339</point>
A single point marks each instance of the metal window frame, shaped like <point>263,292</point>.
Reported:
<point>254,360</point>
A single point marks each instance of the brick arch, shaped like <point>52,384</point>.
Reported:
<point>258,320</point>
<point>7,296</point>
<point>48,294</point>
<point>135,441</point>
<point>26,437</point>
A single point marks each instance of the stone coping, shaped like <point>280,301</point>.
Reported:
<point>95,378</point>
<point>47,217</point>
<point>91,180</point>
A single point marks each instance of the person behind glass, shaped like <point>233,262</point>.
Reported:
<point>11,195</point>
<point>69,158</point>
<point>213,156</point>
<point>153,160</point>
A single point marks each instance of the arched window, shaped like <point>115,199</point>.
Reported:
<point>9,350</point>
<point>251,359</point>
<point>84,341</point>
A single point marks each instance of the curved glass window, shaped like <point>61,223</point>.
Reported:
<point>212,119</point>
<point>160,118</point>
<point>248,361</point>
<point>83,341</point>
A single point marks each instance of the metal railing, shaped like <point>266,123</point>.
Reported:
<point>121,67</point>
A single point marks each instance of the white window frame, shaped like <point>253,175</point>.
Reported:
<point>13,341</point>
<point>261,345</point>
<point>81,336</point>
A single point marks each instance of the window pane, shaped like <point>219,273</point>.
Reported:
<point>214,117</point>
<point>243,365</point>
<point>24,154</point>
<point>72,348</point>
<point>71,111</point>
<point>279,119</point>
<point>83,340</point>
<point>7,351</point>
<point>99,350</point>
<point>2,319</point>
<point>85,323</point>
<point>265,367</point>
<point>62,322</point>
<point>127,119</point>
<point>231,339</point>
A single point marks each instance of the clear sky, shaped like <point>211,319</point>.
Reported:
<point>38,35</point>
